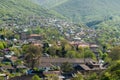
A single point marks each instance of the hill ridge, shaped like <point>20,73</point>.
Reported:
<point>86,10</point>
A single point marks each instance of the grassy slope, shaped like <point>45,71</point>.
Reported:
<point>50,3</point>
<point>84,10</point>
<point>22,9</point>
<point>20,6</point>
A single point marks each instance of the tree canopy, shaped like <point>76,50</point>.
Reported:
<point>33,53</point>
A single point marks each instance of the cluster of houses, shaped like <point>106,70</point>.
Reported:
<point>46,63</point>
<point>74,33</point>
<point>70,30</point>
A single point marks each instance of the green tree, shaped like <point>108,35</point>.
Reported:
<point>87,53</point>
<point>17,36</point>
<point>33,53</point>
<point>52,49</point>
<point>78,77</point>
<point>45,46</point>
<point>16,50</point>
<point>93,76</point>
<point>72,54</point>
<point>66,67</point>
<point>112,73</point>
<point>80,49</point>
<point>1,45</point>
<point>25,48</point>
<point>4,44</point>
<point>36,77</point>
<point>115,53</point>
<point>52,77</point>
<point>18,62</point>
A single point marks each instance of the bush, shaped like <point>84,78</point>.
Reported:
<point>36,77</point>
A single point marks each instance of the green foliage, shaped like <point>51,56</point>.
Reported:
<point>89,54</point>
<point>93,76</point>
<point>66,67</point>
<point>36,77</point>
<point>16,36</point>
<point>32,56</point>
<point>112,73</point>
<point>3,44</point>
<point>19,11</point>
<point>1,78</point>
<point>115,53</point>
<point>52,77</point>
<point>83,10</point>
<point>108,32</point>
<point>48,34</point>
<point>99,14</point>
<point>78,77</point>
<point>72,54</point>
<point>52,50</point>
<point>16,50</point>
<point>25,48</point>
<point>18,62</point>
<point>86,53</point>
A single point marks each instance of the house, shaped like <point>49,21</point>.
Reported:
<point>35,36</point>
<point>79,44</point>
<point>67,76</point>
<point>53,74</point>
<point>48,62</point>
<point>37,43</point>
<point>9,64</point>
<point>9,68</point>
<point>95,49</point>
<point>84,45</point>
<point>23,36</point>
<point>24,77</point>
<point>82,65</point>
<point>59,61</point>
<point>89,68</point>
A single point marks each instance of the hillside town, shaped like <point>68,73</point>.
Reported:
<point>24,54</point>
<point>59,40</point>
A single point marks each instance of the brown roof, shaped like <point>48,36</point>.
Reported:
<point>21,66</point>
<point>63,60</point>
<point>85,67</point>
<point>7,67</point>
<point>78,43</point>
<point>94,45</point>
<point>29,77</point>
<point>45,65</point>
<point>52,72</point>
<point>34,35</point>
